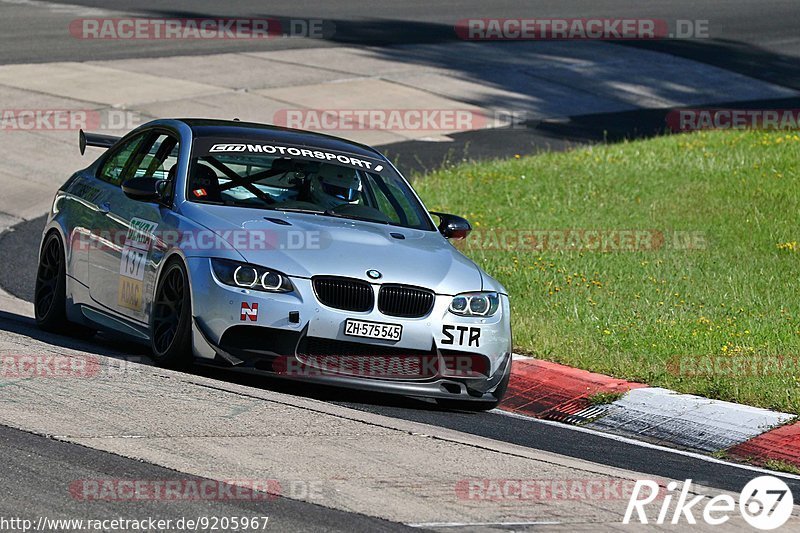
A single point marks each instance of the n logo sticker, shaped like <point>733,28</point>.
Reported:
<point>249,312</point>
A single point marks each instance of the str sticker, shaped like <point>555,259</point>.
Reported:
<point>468,336</point>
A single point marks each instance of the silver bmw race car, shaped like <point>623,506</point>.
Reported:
<point>273,251</point>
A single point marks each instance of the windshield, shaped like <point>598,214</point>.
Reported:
<point>302,179</point>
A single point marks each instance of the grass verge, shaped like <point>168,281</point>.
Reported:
<point>671,261</point>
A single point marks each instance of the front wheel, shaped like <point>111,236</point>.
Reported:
<point>50,294</point>
<point>171,322</point>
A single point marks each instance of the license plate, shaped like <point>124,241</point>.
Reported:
<point>372,330</point>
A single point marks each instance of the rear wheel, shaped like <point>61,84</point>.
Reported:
<point>50,299</point>
<point>171,322</point>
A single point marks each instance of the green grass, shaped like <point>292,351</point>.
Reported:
<point>633,314</point>
<point>721,454</point>
<point>604,398</point>
<point>781,466</point>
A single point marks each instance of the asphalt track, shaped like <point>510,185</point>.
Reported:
<point>758,38</point>
<point>41,470</point>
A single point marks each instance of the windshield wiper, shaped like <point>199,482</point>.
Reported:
<point>328,212</point>
<point>297,210</point>
<point>353,217</point>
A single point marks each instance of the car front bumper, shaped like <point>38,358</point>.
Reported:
<point>292,335</point>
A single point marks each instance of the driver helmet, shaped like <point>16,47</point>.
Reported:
<point>335,185</point>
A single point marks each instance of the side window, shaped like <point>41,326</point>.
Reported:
<point>157,159</point>
<point>393,202</point>
<point>384,205</point>
<point>114,166</point>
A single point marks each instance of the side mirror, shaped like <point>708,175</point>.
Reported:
<point>452,226</point>
<point>144,189</point>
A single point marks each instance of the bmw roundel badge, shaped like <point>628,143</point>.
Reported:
<point>374,274</point>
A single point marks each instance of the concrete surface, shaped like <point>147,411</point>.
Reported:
<point>365,463</point>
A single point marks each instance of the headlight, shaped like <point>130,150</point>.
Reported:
<point>475,304</point>
<point>248,276</point>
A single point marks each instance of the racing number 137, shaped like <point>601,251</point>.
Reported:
<point>133,263</point>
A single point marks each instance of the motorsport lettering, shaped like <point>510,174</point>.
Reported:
<point>283,150</point>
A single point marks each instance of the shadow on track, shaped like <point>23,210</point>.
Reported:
<point>110,345</point>
<point>106,344</point>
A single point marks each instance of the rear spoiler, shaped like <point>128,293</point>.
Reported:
<point>95,139</point>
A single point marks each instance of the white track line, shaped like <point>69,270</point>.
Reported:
<point>643,444</point>
<point>481,524</point>
<point>61,8</point>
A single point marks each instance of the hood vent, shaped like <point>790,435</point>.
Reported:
<point>278,221</point>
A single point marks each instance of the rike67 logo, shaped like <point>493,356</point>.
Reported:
<point>765,503</point>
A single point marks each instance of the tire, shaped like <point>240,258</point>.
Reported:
<point>478,406</point>
<point>50,298</point>
<point>171,318</point>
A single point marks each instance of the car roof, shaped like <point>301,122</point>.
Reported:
<point>256,132</point>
